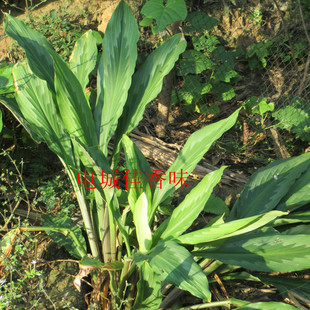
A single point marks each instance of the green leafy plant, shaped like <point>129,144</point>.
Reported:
<point>55,196</point>
<point>22,271</point>
<point>6,79</point>
<point>127,240</point>
<point>207,68</point>
<point>256,16</point>
<point>295,117</point>
<point>164,14</point>
<point>258,105</point>
<point>56,27</point>
<point>257,54</point>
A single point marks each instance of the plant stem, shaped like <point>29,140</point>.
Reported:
<point>92,236</point>
<point>230,301</point>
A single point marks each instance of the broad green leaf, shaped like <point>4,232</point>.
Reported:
<point>136,163</point>
<point>295,117</point>
<point>190,90</point>
<point>200,22</point>
<point>263,107</point>
<point>285,285</point>
<point>216,205</point>
<point>205,43</point>
<point>12,106</point>
<point>144,234</point>
<point>93,158</point>
<point>243,275</point>
<point>298,195</point>
<point>84,57</point>
<point>115,71</point>
<point>194,62</point>
<point>297,230</point>
<point>36,104</point>
<point>35,46</point>
<point>47,65</point>
<point>268,186</point>
<point>174,264</point>
<point>229,229</point>
<point>294,217</point>
<point>193,151</point>
<point>149,285</point>
<point>257,105</point>
<point>270,253</point>
<point>227,56</point>
<point>224,90</point>
<point>184,215</point>
<point>272,305</point>
<point>6,80</point>
<point>76,247</point>
<point>146,22</point>
<point>74,108</point>
<point>172,11</point>
<point>225,72</point>
<point>147,84</point>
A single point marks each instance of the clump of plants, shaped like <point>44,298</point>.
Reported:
<point>136,257</point>
<point>295,117</point>
<point>206,69</point>
<point>24,286</point>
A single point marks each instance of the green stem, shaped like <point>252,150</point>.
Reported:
<point>230,301</point>
<point>112,233</point>
<point>106,240</point>
<point>212,267</point>
<point>92,236</point>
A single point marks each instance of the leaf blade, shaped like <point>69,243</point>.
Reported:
<point>115,71</point>
<point>229,229</point>
<point>84,57</point>
<point>147,83</point>
<point>184,215</point>
<point>194,149</point>
<point>268,185</point>
<point>174,264</point>
<point>275,252</point>
<point>144,234</point>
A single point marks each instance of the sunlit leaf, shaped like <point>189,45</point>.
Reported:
<point>84,57</point>
<point>268,186</point>
<point>194,149</point>
<point>229,229</point>
<point>147,84</point>
<point>184,215</point>
<point>115,71</point>
<point>174,264</point>
<point>165,14</point>
<point>282,253</point>
<point>144,234</point>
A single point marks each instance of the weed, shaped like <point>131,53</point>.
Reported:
<point>24,286</point>
<point>207,70</point>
